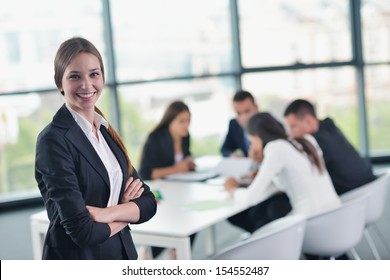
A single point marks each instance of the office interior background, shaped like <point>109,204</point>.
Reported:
<point>335,53</point>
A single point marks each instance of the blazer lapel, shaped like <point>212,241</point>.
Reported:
<point>76,136</point>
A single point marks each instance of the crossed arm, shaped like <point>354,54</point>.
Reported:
<point>118,216</point>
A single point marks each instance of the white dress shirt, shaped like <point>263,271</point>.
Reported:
<point>310,192</point>
<point>103,150</point>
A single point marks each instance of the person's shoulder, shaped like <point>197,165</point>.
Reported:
<point>45,131</point>
<point>234,126</point>
<point>233,122</point>
<point>277,145</point>
<point>59,124</point>
<point>310,138</point>
<point>51,134</point>
<point>327,123</point>
<point>277,149</point>
<point>159,133</point>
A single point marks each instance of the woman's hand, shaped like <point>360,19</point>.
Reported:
<point>101,215</point>
<point>105,215</point>
<point>184,166</point>
<point>255,155</point>
<point>191,163</point>
<point>133,190</point>
<point>231,184</point>
<point>248,177</point>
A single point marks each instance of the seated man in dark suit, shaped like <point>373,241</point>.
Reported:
<point>245,106</point>
<point>346,167</point>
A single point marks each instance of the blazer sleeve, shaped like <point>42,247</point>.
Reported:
<point>157,153</point>
<point>149,157</point>
<point>186,146</point>
<point>146,202</point>
<point>230,143</point>
<point>58,182</point>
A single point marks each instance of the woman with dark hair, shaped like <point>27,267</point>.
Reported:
<point>167,148</point>
<point>293,165</point>
<point>90,189</point>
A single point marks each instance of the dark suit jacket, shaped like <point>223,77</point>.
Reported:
<point>159,152</point>
<point>347,169</point>
<point>234,140</point>
<point>70,175</point>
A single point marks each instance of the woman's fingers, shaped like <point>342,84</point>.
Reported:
<point>133,189</point>
<point>231,184</point>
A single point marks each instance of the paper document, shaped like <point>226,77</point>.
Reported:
<point>194,176</point>
<point>234,167</point>
<point>227,167</point>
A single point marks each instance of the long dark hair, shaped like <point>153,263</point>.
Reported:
<point>174,109</point>
<point>65,54</point>
<point>265,126</point>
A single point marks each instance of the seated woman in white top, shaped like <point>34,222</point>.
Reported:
<point>294,165</point>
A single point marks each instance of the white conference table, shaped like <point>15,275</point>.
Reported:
<point>186,208</point>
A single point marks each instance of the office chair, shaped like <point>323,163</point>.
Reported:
<point>376,202</point>
<point>278,240</point>
<point>337,231</point>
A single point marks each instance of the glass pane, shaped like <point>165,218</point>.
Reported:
<point>378,104</point>
<point>333,91</point>
<point>283,32</point>
<point>22,118</point>
<point>142,107</point>
<point>155,39</point>
<point>30,36</point>
<point>376,30</point>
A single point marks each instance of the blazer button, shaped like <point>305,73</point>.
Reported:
<point>122,231</point>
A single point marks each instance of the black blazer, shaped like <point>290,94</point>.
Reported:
<point>70,175</point>
<point>347,169</point>
<point>159,152</point>
<point>234,140</point>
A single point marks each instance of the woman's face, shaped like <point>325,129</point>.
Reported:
<point>82,82</point>
<point>180,125</point>
<point>256,148</point>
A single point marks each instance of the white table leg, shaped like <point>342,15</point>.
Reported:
<point>38,233</point>
<point>181,244</point>
<point>183,249</point>
<point>211,245</point>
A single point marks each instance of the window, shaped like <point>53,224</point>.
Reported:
<point>331,90</point>
<point>173,49</point>
<point>159,39</point>
<point>376,45</point>
<point>31,43</point>
<point>378,104</point>
<point>209,101</point>
<point>22,117</point>
<point>376,30</point>
<point>283,32</point>
<point>27,65</point>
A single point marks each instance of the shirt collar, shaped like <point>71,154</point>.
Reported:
<point>85,125</point>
